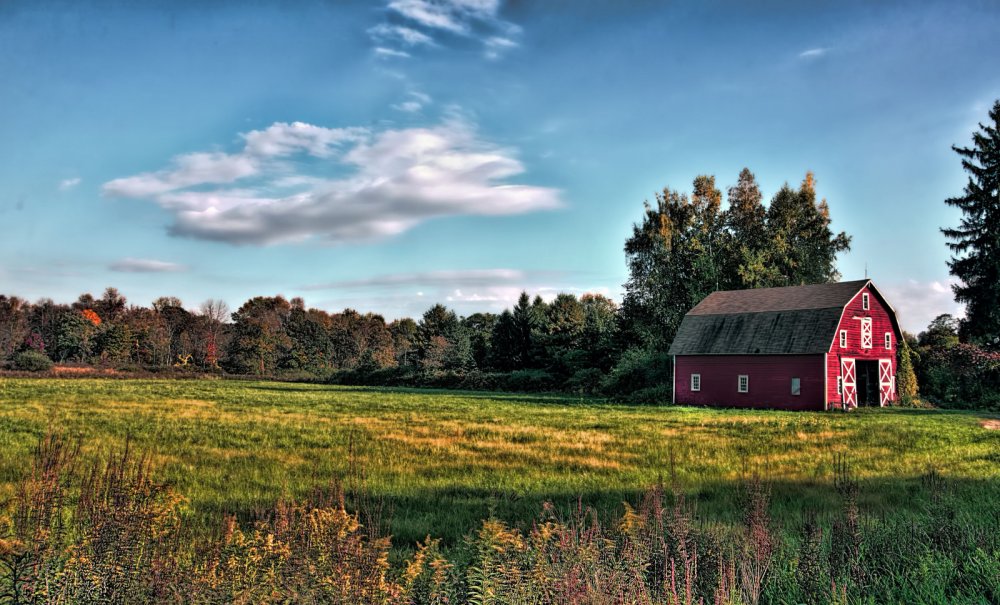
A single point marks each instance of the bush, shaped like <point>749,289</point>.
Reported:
<point>638,369</point>
<point>586,381</point>
<point>658,395</point>
<point>32,361</point>
<point>527,381</point>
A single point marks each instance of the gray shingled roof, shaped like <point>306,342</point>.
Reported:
<point>765,321</point>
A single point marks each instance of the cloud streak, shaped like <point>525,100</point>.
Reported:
<point>67,184</point>
<point>142,265</point>
<point>813,53</point>
<point>425,19</point>
<point>299,182</point>
<point>450,279</point>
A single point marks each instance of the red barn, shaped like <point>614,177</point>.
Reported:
<point>797,348</point>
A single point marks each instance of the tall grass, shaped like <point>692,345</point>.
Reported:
<point>111,532</point>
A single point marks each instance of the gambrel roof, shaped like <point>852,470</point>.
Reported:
<point>769,321</point>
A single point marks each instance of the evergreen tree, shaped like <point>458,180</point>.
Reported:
<point>525,316</point>
<point>976,241</point>
<point>504,342</point>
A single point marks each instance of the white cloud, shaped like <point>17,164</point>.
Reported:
<point>67,184</point>
<point>188,170</point>
<point>408,106</point>
<point>283,139</point>
<point>495,45</point>
<point>142,265</point>
<point>918,302</point>
<point>813,53</point>
<point>389,53</point>
<point>466,18</point>
<point>395,180</point>
<point>415,103</point>
<point>406,35</point>
<point>435,15</point>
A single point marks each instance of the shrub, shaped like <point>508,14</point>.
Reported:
<point>586,381</point>
<point>32,361</point>
<point>638,369</point>
<point>528,381</point>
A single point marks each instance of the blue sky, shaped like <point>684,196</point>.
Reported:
<point>388,155</point>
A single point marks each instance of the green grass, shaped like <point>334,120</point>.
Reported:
<point>445,460</point>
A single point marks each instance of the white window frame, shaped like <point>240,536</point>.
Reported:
<point>888,341</point>
<point>843,339</point>
<point>796,382</point>
<point>743,383</point>
<point>695,383</point>
<point>864,302</point>
<point>866,328</point>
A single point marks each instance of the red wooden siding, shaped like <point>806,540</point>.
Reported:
<point>770,380</point>
<point>881,324</point>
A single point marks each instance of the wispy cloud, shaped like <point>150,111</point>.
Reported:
<point>143,265</point>
<point>450,279</point>
<point>294,188</point>
<point>67,184</point>
<point>415,102</point>
<point>497,45</point>
<point>389,53</point>
<point>813,53</point>
<point>477,19</point>
<point>398,33</point>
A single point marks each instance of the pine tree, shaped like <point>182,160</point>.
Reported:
<point>976,241</point>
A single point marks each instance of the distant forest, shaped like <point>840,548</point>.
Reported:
<point>684,247</point>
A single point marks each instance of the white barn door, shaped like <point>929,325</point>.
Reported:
<point>885,380</point>
<point>849,384</point>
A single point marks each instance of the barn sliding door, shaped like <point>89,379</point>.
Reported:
<point>885,381</point>
<point>849,383</point>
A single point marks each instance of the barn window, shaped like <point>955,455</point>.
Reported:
<point>796,386</point>
<point>888,340</point>
<point>743,384</point>
<point>695,382</point>
<point>864,301</point>
<point>840,385</point>
<point>843,339</point>
<point>866,333</point>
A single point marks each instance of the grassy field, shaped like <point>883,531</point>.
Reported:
<point>445,460</point>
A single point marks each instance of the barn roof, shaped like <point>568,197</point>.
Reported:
<point>766,321</point>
